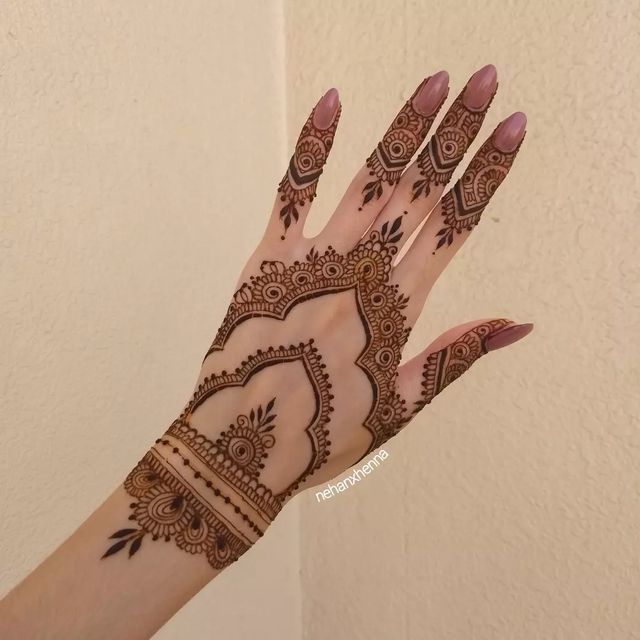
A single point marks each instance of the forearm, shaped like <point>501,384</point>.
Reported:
<point>76,593</point>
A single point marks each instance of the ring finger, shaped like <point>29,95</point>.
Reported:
<point>459,211</point>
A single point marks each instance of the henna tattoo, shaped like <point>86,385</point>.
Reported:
<point>366,270</point>
<point>246,442</point>
<point>397,147</point>
<point>443,367</point>
<point>210,496</point>
<point>298,186</point>
<point>463,205</point>
<point>229,468</point>
<point>169,507</point>
<point>316,431</point>
<point>444,151</point>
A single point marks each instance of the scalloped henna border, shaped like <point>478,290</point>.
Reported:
<point>316,430</point>
<point>366,270</point>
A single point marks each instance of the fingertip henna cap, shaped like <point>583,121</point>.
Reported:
<point>507,336</point>
<point>481,87</point>
<point>510,132</point>
<point>326,109</point>
<point>432,93</point>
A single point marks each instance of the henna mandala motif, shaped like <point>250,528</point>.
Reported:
<point>395,150</point>
<point>247,441</point>
<point>463,205</point>
<point>233,467</point>
<point>298,186</point>
<point>448,364</point>
<point>438,160</point>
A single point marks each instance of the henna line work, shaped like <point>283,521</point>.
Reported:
<point>398,145</point>
<point>299,184</point>
<point>443,367</point>
<point>365,269</point>
<point>462,206</point>
<point>446,148</point>
<point>216,491</point>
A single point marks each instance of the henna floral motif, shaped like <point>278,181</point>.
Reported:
<point>298,186</point>
<point>168,507</point>
<point>444,366</point>
<point>444,151</point>
<point>366,270</point>
<point>463,205</point>
<point>397,147</point>
<point>316,430</point>
<point>246,442</point>
<point>226,499</point>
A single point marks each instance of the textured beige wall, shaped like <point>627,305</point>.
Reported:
<point>141,142</point>
<point>511,508</point>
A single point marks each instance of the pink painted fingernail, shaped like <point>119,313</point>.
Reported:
<point>481,87</point>
<point>510,132</point>
<point>433,91</point>
<point>507,336</point>
<point>326,109</point>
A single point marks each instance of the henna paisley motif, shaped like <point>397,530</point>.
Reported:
<point>299,184</point>
<point>463,205</point>
<point>397,147</point>
<point>448,364</point>
<point>208,496</point>
<point>444,151</point>
<point>167,507</point>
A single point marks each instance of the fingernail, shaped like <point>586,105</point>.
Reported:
<point>481,87</point>
<point>510,132</point>
<point>326,109</point>
<point>507,336</point>
<point>432,93</point>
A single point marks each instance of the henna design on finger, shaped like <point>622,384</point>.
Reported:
<point>397,147</point>
<point>447,365</point>
<point>463,205</point>
<point>299,184</point>
<point>444,151</point>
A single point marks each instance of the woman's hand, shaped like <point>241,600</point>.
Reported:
<point>303,378</point>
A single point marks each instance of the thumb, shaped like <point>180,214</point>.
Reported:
<point>449,356</point>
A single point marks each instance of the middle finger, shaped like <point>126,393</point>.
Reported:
<point>422,184</point>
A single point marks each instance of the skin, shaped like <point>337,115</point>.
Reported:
<point>303,378</point>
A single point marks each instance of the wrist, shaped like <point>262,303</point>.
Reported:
<point>185,490</point>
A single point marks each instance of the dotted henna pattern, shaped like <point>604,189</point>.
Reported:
<point>366,270</point>
<point>463,205</point>
<point>208,496</point>
<point>168,507</point>
<point>229,468</point>
<point>444,151</point>
<point>299,184</point>
<point>397,147</point>
<point>447,365</point>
